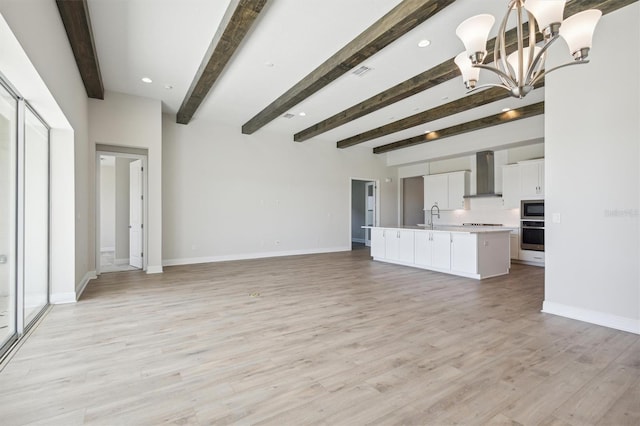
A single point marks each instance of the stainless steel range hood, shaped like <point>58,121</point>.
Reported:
<point>485,176</point>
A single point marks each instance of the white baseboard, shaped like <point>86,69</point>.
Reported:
<point>103,249</point>
<point>358,240</point>
<point>121,261</point>
<point>248,256</point>
<point>630,325</point>
<point>91,275</point>
<point>72,297</point>
<point>62,298</point>
<point>155,269</point>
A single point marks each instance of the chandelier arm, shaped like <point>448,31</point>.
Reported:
<point>568,64</point>
<point>506,78</point>
<point>520,77</point>
<point>538,60</point>
<point>486,85</point>
<point>537,70</point>
<point>500,50</point>
<point>532,46</point>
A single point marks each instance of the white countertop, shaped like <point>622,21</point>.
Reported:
<point>451,228</point>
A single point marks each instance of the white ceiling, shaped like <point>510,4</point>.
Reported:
<point>166,40</point>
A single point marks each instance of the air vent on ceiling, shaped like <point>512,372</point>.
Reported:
<point>361,71</point>
<point>289,115</point>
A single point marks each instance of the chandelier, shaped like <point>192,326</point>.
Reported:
<point>522,69</point>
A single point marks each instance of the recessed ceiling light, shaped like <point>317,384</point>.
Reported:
<point>302,114</point>
<point>427,131</point>
<point>444,98</point>
<point>506,109</point>
<point>424,43</point>
<point>146,80</point>
<point>168,86</point>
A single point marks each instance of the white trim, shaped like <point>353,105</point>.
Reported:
<point>103,249</point>
<point>632,325</point>
<point>376,212</point>
<point>72,297</point>
<point>121,261</point>
<point>154,269</point>
<point>145,208</point>
<point>358,240</point>
<point>91,275</point>
<point>248,256</point>
<point>62,298</point>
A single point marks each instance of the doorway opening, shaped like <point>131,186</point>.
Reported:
<point>412,201</point>
<point>120,212</point>
<point>364,211</point>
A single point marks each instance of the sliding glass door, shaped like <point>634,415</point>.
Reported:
<point>8,203</point>
<point>36,216</point>
<point>24,217</point>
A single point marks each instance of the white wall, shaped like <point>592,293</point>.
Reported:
<point>133,121</point>
<point>592,180</point>
<point>229,196</point>
<point>37,59</point>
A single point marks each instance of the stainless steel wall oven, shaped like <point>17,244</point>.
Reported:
<point>532,225</point>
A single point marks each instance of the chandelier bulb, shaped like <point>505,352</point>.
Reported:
<point>520,71</point>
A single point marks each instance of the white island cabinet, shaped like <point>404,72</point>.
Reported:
<point>465,251</point>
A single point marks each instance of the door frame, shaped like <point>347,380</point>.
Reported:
<point>376,212</point>
<point>145,202</point>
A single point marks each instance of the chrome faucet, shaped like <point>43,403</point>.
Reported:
<point>432,214</point>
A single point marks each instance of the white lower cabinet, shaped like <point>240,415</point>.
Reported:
<point>423,248</point>
<point>377,243</point>
<point>433,249</point>
<point>514,246</point>
<point>401,243</point>
<point>441,247</point>
<point>392,244</point>
<point>464,253</point>
<point>467,254</point>
<point>532,256</point>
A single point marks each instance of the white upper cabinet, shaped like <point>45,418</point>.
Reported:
<point>531,179</point>
<point>511,186</point>
<point>458,188</point>
<point>436,191</point>
<point>446,190</point>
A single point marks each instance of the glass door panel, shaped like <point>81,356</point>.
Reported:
<point>8,144</point>
<point>36,216</point>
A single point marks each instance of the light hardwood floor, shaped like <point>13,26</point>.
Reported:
<point>333,339</point>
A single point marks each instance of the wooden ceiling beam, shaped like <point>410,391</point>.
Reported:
<point>401,19</point>
<point>236,23</point>
<point>445,71</point>
<point>466,103</point>
<point>470,126</point>
<point>77,24</point>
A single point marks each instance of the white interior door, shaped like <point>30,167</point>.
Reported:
<point>370,218</point>
<point>135,214</point>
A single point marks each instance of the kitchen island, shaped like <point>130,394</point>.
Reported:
<point>467,251</point>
